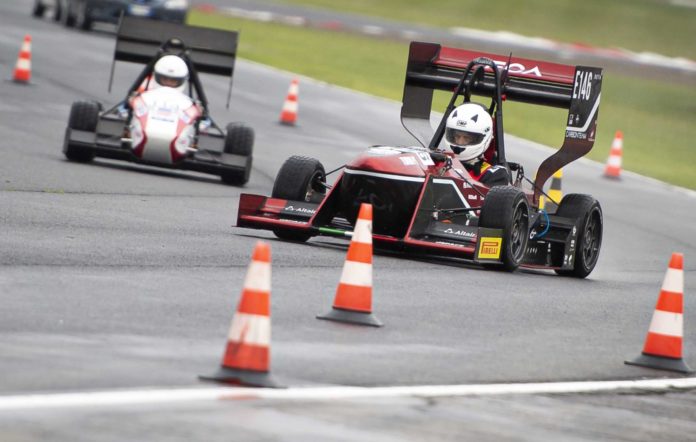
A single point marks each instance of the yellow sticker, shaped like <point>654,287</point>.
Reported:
<point>489,248</point>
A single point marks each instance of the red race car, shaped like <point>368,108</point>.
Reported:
<point>424,199</point>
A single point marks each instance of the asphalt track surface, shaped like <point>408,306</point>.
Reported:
<point>117,276</point>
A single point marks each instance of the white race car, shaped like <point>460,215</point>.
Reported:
<point>164,126</point>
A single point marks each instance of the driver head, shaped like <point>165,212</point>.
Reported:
<point>171,71</point>
<point>469,131</point>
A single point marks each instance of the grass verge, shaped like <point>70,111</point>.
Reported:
<point>656,118</point>
<point>640,25</point>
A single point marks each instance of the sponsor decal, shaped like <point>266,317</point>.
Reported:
<point>489,248</point>
<point>408,160</point>
<point>532,234</point>
<point>519,68</point>
<point>299,210</point>
<point>425,158</point>
<point>463,233</point>
<point>382,151</point>
<point>449,243</point>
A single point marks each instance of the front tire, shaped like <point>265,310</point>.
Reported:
<point>84,115</point>
<point>300,178</point>
<point>589,221</point>
<point>239,140</point>
<point>506,208</point>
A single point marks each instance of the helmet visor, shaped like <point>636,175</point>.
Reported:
<point>165,80</point>
<point>462,138</point>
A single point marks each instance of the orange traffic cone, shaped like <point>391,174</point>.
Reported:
<point>613,167</point>
<point>247,355</point>
<point>353,301</point>
<point>22,71</point>
<point>663,345</point>
<point>289,113</point>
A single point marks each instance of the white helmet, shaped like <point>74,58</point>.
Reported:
<point>469,131</point>
<point>171,71</point>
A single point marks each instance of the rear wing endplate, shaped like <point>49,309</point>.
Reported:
<point>433,67</point>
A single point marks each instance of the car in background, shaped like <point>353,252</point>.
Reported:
<point>84,13</point>
<point>41,6</point>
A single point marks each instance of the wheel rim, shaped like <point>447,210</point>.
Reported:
<point>518,232</point>
<point>313,187</point>
<point>591,240</point>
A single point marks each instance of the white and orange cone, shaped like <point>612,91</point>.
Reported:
<point>353,301</point>
<point>246,360</point>
<point>289,113</point>
<point>22,70</point>
<point>613,167</point>
<point>663,345</point>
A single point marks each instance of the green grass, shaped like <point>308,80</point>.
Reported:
<point>639,25</point>
<point>656,118</point>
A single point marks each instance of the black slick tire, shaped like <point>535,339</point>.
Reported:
<point>84,115</point>
<point>299,179</point>
<point>589,221</point>
<point>239,140</point>
<point>506,208</point>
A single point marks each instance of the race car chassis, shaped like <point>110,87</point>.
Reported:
<point>551,244</point>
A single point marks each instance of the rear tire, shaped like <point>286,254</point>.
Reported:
<point>506,208</point>
<point>298,180</point>
<point>84,115</point>
<point>239,140</point>
<point>588,215</point>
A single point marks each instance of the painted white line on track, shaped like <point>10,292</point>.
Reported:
<point>168,396</point>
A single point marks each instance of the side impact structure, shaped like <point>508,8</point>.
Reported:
<point>663,345</point>
<point>246,360</point>
<point>353,301</point>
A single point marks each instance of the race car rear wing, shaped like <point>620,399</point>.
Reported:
<point>433,67</point>
<point>140,40</point>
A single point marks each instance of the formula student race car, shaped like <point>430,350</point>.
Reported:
<point>425,202</point>
<point>164,126</point>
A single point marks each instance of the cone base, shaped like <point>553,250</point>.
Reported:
<point>660,363</point>
<point>612,177</point>
<point>247,378</point>
<point>351,317</point>
<point>287,123</point>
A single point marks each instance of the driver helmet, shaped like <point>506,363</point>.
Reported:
<point>171,71</point>
<point>469,131</point>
